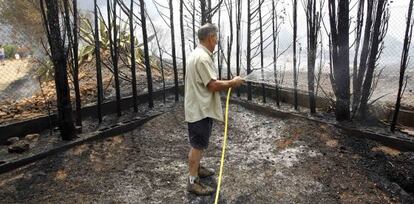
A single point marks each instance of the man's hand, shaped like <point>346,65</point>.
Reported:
<point>221,85</point>
<point>236,82</point>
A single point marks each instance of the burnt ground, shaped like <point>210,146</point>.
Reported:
<point>268,160</point>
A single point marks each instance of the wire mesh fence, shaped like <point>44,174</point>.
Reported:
<point>24,95</point>
<point>21,95</point>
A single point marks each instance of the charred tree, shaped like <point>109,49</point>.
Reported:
<point>133,64</point>
<point>51,20</point>
<point>207,11</point>
<point>361,70</point>
<point>193,23</point>
<point>182,36</point>
<point>339,52</point>
<point>230,38</point>
<point>161,59</point>
<point>71,25</point>
<point>238,27</point>
<point>98,63</point>
<point>203,10</point>
<point>378,32</point>
<point>313,19</point>
<point>261,50</point>
<point>209,16</point>
<point>113,45</point>
<point>364,79</point>
<point>219,67</point>
<point>76,64</point>
<point>358,36</point>
<point>173,49</point>
<point>295,74</point>
<point>404,63</point>
<point>249,19</point>
<point>146,53</point>
<point>170,25</point>
<point>275,50</point>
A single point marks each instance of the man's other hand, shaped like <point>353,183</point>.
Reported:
<point>236,82</point>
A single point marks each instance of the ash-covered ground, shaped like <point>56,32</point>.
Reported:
<point>268,160</point>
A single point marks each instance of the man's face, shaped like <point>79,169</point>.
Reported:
<point>212,42</point>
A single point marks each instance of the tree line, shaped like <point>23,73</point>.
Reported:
<point>61,24</point>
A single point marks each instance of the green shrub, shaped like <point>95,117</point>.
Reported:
<point>10,51</point>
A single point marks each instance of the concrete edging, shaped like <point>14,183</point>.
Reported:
<point>405,117</point>
<point>116,129</point>
<point>36,125</point>
<point>400,143</point>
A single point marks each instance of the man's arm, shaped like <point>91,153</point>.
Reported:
<point>221,85</point>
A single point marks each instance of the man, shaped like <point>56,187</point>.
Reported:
<point>202,104</point>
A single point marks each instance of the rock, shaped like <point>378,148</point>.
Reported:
<point>40,174</point>
<point>409,131</point>
<point>78,129</point>
<point>12,140</point>
<point>343,187</point>
<point>32,137</point>
<point>19,147</point>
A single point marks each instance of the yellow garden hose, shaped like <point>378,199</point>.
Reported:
<point>223,151</point>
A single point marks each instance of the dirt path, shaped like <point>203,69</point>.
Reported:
<point>269,160</point>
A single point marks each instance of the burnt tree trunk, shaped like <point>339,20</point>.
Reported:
<point>182,36</point>
<point>98,63</point>
<point>173,50</point>
<point>313,19</point>
<point>295,75</point>
<point>76,64</point>
<point>209,12</point>
<point>230,39</point>
<point>161,60</point>
<point>72,35</point>
<point>51,20</point>
<point>194,21</point>
<point>238,25</point>
<point>219,67</point>
<point>363,59</point>
<point>261,50</point>
<point>203,10</point>
<point>358,35</point>
<point>274,35</point>
<point>133,64</point>
<point>404,63</point>
<point>378,33</point>
<point>113,41</point>
<point>248,50</point>
<point>339,24</point>
<point>146,54</point>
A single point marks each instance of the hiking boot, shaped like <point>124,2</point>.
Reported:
<point>204,172</point>
<point>199,188</point>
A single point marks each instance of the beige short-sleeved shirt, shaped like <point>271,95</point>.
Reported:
<point>199,102</point>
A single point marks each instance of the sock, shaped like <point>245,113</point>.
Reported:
<point>192,179</point>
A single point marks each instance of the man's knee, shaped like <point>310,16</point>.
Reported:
<point>195,154</point>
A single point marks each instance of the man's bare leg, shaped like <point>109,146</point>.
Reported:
<point>194,157</point>
<point>194,185</point>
